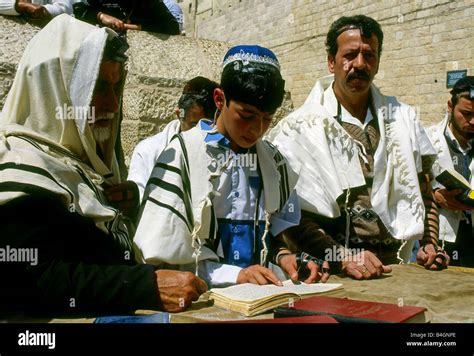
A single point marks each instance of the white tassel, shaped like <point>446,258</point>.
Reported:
<point>195,241</point>
<point>417,206</point>
<point>348,218</point>
<point>362,151</point>
<point>264,251</point>
<point>400,260</point>
<point>196,244</point>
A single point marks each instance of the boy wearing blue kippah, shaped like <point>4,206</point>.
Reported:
<point>219,196</point>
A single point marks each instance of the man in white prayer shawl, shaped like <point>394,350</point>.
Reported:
<point>195,103</point>
<point>58,130</point>
<point>363,160</point>
<point>453,139</point>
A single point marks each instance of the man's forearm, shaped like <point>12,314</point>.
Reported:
<point>431,232</point>
<point>309,237</point>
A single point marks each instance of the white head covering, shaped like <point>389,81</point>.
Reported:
<point>42,148</point>
<point>53,87</point>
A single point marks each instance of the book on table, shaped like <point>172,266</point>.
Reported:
<point>451,180</point>
<point>252,299</point>
<point>346,310</point>
<point>307,319</point>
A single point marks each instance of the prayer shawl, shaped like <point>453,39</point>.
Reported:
<point>146,154</point>
<point>448,219</point>
<point>45,140</point>
<point>177,217</point>
<point>327,160</point>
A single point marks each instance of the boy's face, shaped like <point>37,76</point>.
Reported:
<point>243,124</point>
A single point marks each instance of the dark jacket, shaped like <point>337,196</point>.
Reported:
<point>152,15</point>
<point>79,268</point>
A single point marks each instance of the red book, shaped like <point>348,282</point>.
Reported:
<point>353,311</point>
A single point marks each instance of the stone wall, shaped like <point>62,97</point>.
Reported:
<point>158,68</point>
<point>423,40</point>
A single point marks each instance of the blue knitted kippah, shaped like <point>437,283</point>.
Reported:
<point>250,53</point>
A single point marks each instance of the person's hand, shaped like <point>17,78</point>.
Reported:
<point>447,199</point>
<point>110,22</point>
<point>177,290</point>
<point>289,265</point>
<point>124,196</point>
<point>35,14</point>
<point>33,11</point>
<point>432,257</point>
<point>257,274</point>
<point>364,265</point>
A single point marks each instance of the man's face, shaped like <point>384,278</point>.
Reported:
<point>193,114</point>
<point>105,100</point>
<point>355,64</point>
<point>243,124</point>
<point>462,118</point>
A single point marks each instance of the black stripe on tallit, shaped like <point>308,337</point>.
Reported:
<point>175,190</point>
<point>284,187</point>
<point>173,210</point>
<point>167,167</point>
<point>185,174</point>
<point>25,188</point>
<point>35,170</point>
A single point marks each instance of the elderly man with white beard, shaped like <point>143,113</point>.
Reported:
<point>56,171</point>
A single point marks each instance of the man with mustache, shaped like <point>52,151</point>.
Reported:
<point>364,163</point>
<point>453,139</point>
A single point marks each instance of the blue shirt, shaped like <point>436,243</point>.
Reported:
<point>239,208</point>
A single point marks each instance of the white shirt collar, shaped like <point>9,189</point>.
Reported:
<point>330,103</point>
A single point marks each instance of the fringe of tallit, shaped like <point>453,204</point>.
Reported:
<point>264,251</point>
<point>399,258</point>
<point>417,207</point>
<point>195,241</point>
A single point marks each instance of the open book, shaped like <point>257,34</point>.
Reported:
<point>252,299</point>
<point>454,180</point>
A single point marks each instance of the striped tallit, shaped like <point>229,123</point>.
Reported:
<point>177,216</point>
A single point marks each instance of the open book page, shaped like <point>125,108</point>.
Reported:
<point>252,299</point>
<point>249,292</point>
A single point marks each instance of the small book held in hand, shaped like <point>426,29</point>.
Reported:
<point>346,310</point>
<point>252,299</point>
<point>454,180</point>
